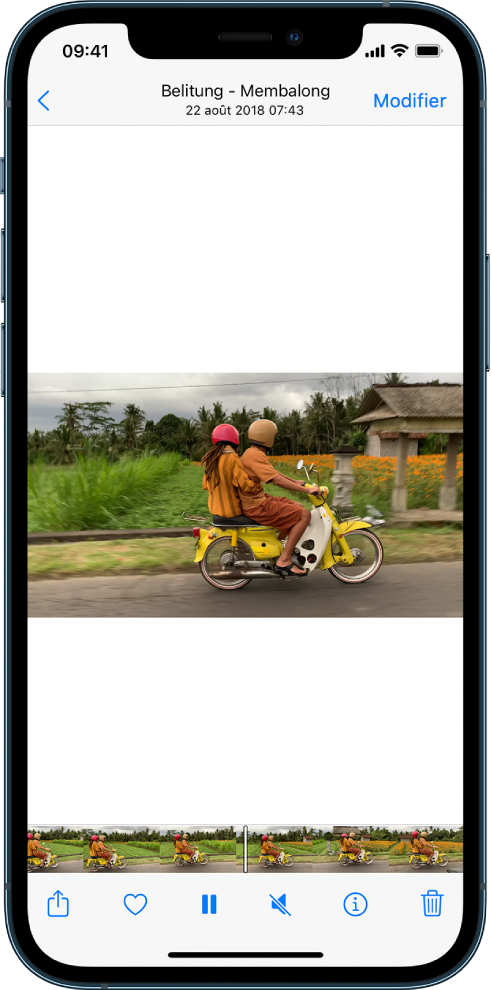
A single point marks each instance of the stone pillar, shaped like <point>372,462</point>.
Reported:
<point>399,494</point>
<point>343,478</point>
<point>448,496</point>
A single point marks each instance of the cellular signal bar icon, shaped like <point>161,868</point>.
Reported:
<point>376,52</point>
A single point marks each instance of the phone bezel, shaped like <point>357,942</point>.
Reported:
<point>261,16</point>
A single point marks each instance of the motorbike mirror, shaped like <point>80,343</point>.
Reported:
<point>300,465</point>
<point>311,468</point>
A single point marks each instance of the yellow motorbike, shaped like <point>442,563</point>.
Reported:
<point>284,859</point>
<point>232,552</point>
<point>416,860</point>
<point>346,858</point>
<point>36,863</point>
<point>179,859</point>
<point>95,863</point>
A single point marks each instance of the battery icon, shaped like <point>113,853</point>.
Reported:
<point>427,51</point>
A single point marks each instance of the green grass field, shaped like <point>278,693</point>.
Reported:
<point>64,850</point>
<point>222,850</point>
<point>410,546</point>
<point>146,852</point>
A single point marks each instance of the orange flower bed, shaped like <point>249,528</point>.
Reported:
<point>401,849</point>
<point>378,845</point>
<point>449,847</point>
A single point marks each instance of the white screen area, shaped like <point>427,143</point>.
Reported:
<point>167,243</point>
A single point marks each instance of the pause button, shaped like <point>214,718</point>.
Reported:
<point>213,903</point>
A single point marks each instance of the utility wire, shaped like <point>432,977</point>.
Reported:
<point>150,388</point>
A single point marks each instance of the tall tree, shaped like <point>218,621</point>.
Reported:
<point>395,378</point>
<point>131,426</point>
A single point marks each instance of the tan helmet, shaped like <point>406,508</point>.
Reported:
<point>352,835</point>
<point>102,837</point>
<point>424,835</point>
<point>263,431</point>
<point>37,835</point>
<point>270,838</point>
<point>185,835</point>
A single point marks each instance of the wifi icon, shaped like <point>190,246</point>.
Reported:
<point>399,49</point>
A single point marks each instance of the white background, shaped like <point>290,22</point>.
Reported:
<point>384,647</point>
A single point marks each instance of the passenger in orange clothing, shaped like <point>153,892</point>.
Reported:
<point>353,847</point>
<point>177,844</point>
<point>37,849</point>
<point>426,848</point>
<point>272,850</point>
<point>415,844</point>
<point>188,850</point>
<point>103,851</point>
<point>93,846</point>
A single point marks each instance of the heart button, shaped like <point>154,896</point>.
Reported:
<point>135,903</point>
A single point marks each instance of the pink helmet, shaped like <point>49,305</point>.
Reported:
<point>94,838</point>
<point>225,433</point>
<point>414,835</point>
<point>344,835</point>
<point>29,835</point>
<point>178,836</point>
<point>264,838</point>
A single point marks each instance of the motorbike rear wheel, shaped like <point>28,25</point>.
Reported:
<point>265,864</point>
<point>92,866</point>
<point>221,555</point>
<point>416,864</point>
<point>368,551</point>
<point>179,862</point>
<point>345,861</point>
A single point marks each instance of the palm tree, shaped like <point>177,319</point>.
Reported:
<point>242,420</point>
<point>187,435</point>
<point>36,442</point>
<point>292,428</point>
<point>316,425</point>
<point>71,417</point>
<point>62,447</point>
<point>131,427</point>
<point>394,378</point>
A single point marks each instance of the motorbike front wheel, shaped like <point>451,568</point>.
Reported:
<point>54,863</point>
<point>220,556</point>
<point>289,861</point>
<point>369,858</point>
<point>442,861</point>
<point>121,865</point>
<point>368,553</point>
<point>203,859</point>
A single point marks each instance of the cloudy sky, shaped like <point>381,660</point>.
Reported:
<point>183,394</point>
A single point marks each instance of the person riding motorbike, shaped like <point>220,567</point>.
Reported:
<point>177,843</point>
<point>353,847</point>
<point>188,850</point>
<point>290,518</point>
<point>224,473</point>
<point>415,844</point>
<point>93,846</point>
<point>425,848</point>
<point>269,848</point>
<point>103,851</point>
<point>34,848</point>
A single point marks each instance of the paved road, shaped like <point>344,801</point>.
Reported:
<point>453,866</point>
<point>378,866</point>
<point>209,867</point>
<point>298,867</point>
<point>131,868</point>
<point>73,866</point>
<point>397,590</point>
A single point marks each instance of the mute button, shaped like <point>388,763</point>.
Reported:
<point>2,345</point>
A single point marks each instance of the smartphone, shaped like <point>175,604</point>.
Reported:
<point>246,603</point>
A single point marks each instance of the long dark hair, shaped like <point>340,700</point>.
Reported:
<point>211,459</point>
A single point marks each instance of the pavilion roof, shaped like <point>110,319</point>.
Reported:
<point>411,401</point>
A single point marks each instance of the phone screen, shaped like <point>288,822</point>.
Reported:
<point>208,641</point>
